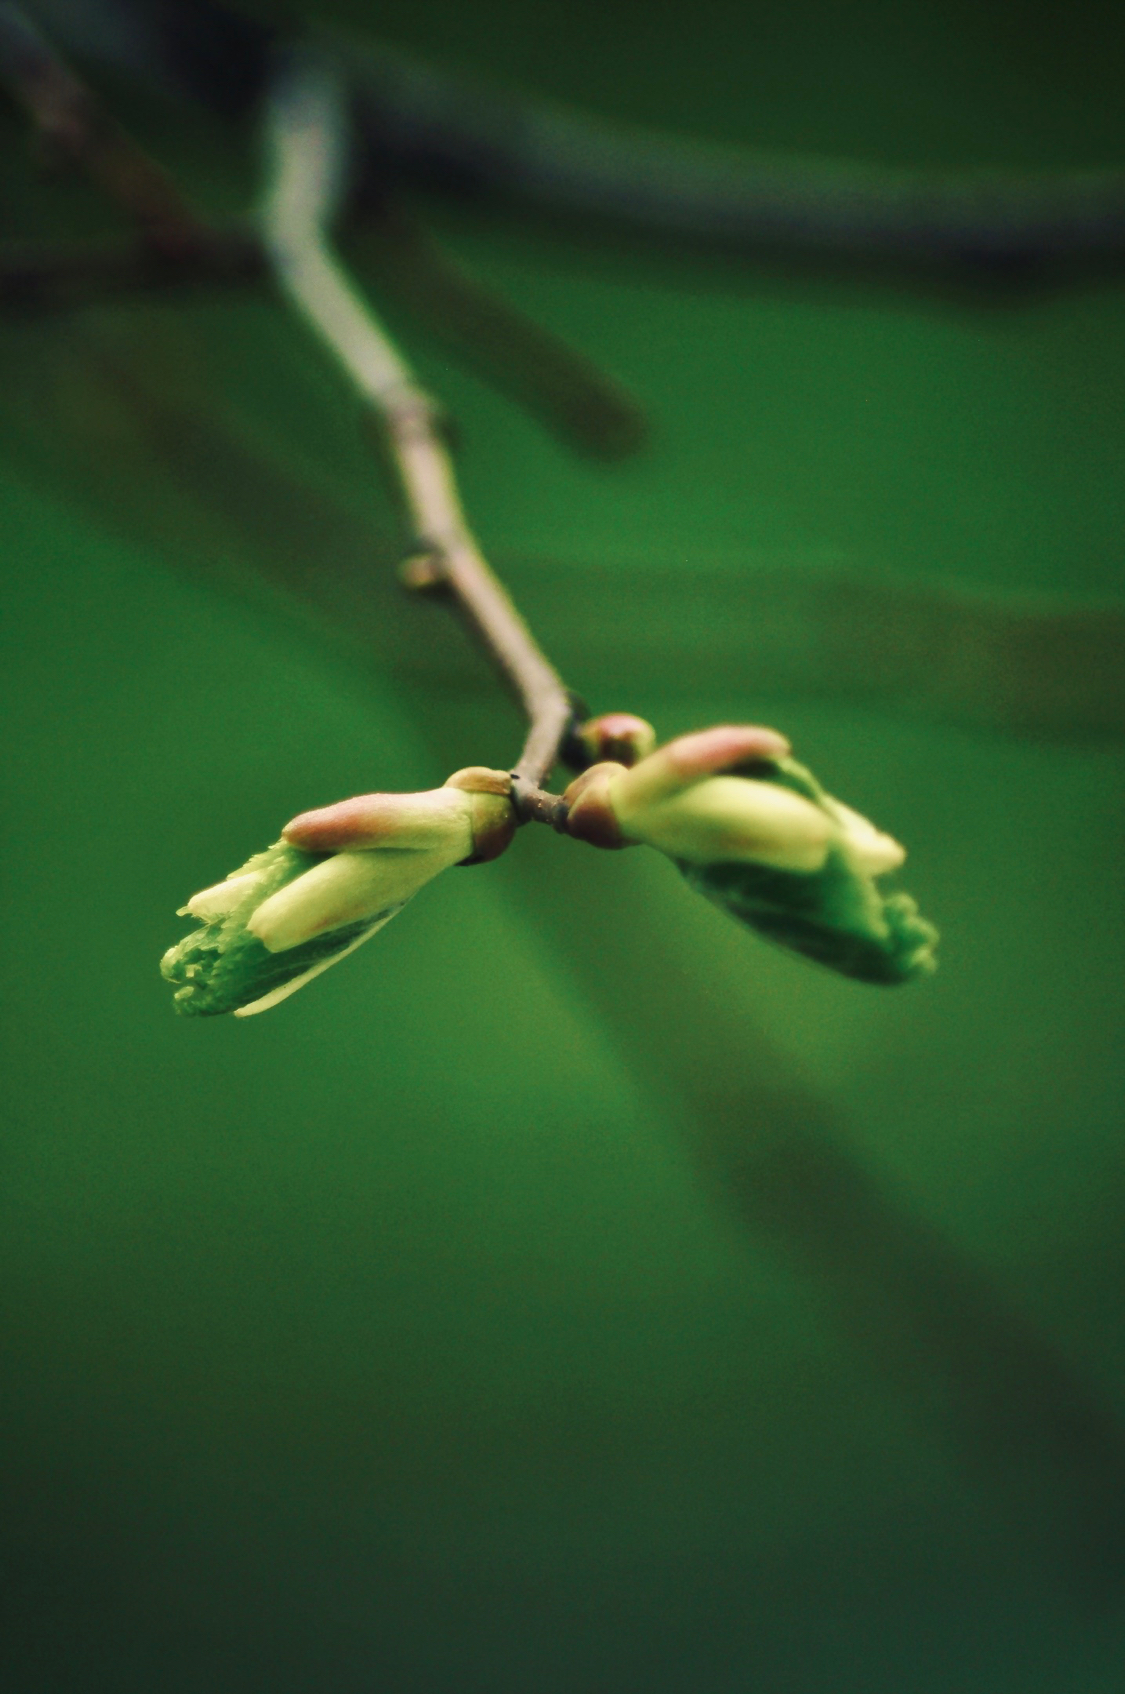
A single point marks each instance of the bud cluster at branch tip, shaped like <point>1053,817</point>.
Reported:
<point>753,831</point>
<point>336,877</point>
<point>748,827</point>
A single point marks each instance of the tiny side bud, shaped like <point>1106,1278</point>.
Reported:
<point>618,736</point>
<point>423,573</point>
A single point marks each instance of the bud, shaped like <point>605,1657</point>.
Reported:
<point>754,832</point>
<point>616,735</point>
<point>335,878</point>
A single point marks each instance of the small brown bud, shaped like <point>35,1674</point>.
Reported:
<point>493,815</point>
<point>423,573</point>
<point>591,817</point>
<point>618,736</point>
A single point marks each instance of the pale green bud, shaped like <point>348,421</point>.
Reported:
<point>337,876</point>
<point>754,832</point>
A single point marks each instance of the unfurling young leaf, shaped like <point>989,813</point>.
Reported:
<point>754,832</point>
<point>336,877</point>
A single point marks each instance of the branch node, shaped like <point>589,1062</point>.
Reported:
<point>533,804</point>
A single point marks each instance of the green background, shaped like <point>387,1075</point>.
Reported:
<point>569,1292</point>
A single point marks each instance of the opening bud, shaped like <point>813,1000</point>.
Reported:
<point>591,817</point>
<point>618,736</point>
<point>754,832</point>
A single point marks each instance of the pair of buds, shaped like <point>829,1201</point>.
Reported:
<point>748,827</point>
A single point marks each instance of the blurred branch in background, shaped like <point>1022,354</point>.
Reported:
<point>443,128</point>
<point>422,122</point>
<point>178,249</point>
<point>64,274</point>
<point>1032,1433</point>
<point>582,404</point>
<point>74,126</point>
<point>124,426</point>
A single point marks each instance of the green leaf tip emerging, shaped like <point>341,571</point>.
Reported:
<point>336,877</point>
<point>224,967</point>
<point>836,915</point>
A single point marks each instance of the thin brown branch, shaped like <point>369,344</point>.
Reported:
<point>305,129</point>
<point>452,560</point>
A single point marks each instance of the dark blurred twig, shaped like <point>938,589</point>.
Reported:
<point>74,124</point>
<point>46,274</point>
<point>428,121</point>
<point>176,248</point>
<point>584,405</point>
<point>421,121</point>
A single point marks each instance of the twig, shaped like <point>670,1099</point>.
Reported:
<point>423,118</point>
<point>71,119</point>
<point>52,274</point>
<point>419,119</point>
<point>306,132</point>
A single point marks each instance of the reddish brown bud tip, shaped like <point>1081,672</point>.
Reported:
<point>709,751</point>
<point>430,819</point>
<point>618,736</point>
<point>591,817</point>
<point>362,821</point>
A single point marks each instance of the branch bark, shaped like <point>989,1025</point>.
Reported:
<point>306,132</point>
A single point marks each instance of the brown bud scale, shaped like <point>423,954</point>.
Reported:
<point>591,817</point>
